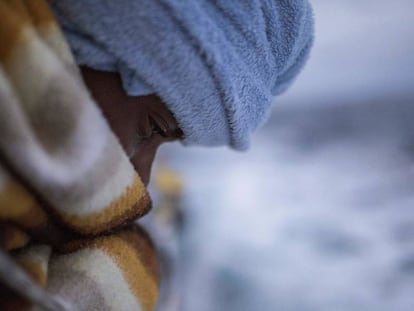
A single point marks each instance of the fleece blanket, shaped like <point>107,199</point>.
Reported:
<point>67,188</point>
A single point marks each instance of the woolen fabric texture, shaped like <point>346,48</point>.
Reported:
<point>216,64</point>
<point>67,188</point>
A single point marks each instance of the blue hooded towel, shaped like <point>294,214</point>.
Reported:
<point>217,65</point>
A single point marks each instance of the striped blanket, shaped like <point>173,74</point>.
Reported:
<point>67,188</point>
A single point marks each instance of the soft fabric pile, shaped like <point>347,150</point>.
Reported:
<point>217,65</point>
<point>66,185</point>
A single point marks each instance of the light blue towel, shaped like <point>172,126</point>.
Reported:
<point>216,64</point>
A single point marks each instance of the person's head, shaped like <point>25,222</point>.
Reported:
<point>141,123</point>
<point>202,71</point>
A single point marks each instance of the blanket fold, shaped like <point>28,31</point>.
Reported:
<point>63,174</point>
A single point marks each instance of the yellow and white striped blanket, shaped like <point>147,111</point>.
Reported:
<point>66,185</point>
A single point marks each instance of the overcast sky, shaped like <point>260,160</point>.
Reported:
<point>362,48</point>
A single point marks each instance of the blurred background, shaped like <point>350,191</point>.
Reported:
<point>319,214</point>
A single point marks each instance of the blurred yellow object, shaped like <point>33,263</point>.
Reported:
<point>168,181</point>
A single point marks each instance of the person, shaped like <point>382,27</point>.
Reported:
<point>83,112</point>
<point>204,71</point>
<point>141,135</point>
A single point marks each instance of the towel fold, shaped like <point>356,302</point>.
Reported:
<point>216,64</point>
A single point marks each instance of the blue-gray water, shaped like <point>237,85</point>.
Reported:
<point>319,214</point>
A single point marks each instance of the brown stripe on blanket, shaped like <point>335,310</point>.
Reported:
<point>34,270</point>
<point>11,237</point>
<point>18,206</point>
<point>134,253</point>
<point>140,280</point>
<point>11,26</point>
<point>143,245</point>
<point>40,13</point>
<point>34,260</point>
<point>132,204</point>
